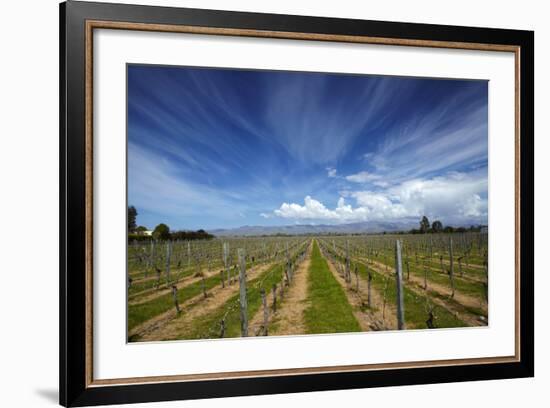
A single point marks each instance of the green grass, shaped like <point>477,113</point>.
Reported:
<point>477,311</point>
<point>415,304</point>
<point>208,326</point>
<point>138,314</point>
<point>434,262</point>
<point>134,292</point>
<point>467,287</point>
<point>329,310</point>
<point>175,275</point>
<point>467,270</point>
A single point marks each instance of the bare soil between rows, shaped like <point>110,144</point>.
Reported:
<point>289,317</point>
<point>169,325</point>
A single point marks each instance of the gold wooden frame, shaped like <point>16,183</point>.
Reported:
<point>99,24</point>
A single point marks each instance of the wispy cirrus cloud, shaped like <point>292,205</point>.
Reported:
<point>453,135</point>
<point>225,147</point>
<point>319,118</point>
<point>363,177</point>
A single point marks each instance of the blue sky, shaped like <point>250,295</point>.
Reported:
<point>220,148</point>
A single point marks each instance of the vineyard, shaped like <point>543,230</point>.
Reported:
<point>268,286</point>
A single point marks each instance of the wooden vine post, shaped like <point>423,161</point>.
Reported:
<point>168,256</point>
<point>348,272</point>
<point>222,328</point>
<point>287,268</point>
<point>175,297</point>
<point>425,275</point>
<point>159,273</point>
<point>451,269</point>
<point>203,285</point>
<point>274,292</point>
<point>399,281</point>
<point>385,298</point>
<point>226,261</point>
<point>369,291</point>
<point>151,259</point>
<point>266,311</point>
<point>242,293</point>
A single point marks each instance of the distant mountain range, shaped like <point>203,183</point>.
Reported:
<point>354,228</point>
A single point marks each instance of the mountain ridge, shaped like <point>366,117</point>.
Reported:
<point>299,229</point>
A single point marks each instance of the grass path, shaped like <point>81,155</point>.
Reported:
<point>378,316</point>
<point>354,299</point>
<point>328,309</point>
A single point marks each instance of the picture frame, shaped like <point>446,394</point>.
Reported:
<point>78,22</point>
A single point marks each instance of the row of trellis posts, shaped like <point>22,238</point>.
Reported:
<point>288,275</point>
<point>400,310</point>
<point>289,270</point>
<point>243,301</point>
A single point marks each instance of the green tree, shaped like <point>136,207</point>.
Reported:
<point>132,214</point>
<point>161,231</point>
<point>437,226</point>
<point>141,228</point>
<point>424,224</point>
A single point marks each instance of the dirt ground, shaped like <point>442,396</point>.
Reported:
<point>460,298</point>
<point>167,325</point>
<point>155,293</point>
<point>289,318</point>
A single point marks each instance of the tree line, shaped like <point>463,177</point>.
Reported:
<point>437,227</point>
<point>161,232</point>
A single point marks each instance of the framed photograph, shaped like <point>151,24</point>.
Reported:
<point>256,204</point>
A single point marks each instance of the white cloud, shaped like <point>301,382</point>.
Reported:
<point>381,183</point>
<point>452,198</point>
<point>362,177</point>
<point>315,210</point>
<point>331,172</point>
